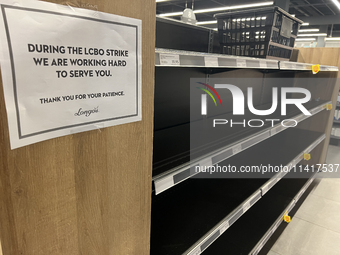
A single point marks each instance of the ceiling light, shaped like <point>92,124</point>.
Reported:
<point>207,22</point>
<point>234,7</point>
<point>333,39</point>
<point>336,3</point>
<point>305,24</point>
<point>305,39</point>
<point>157,1</point>
<point>319,34</point>
<point>309,30</point>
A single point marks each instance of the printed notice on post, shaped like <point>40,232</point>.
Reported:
<point>67,70</point>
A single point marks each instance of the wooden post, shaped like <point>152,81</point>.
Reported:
<point>87,193</point>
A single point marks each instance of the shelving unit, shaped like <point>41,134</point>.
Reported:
<point>194,214</point>
<point>335,140</point>
<point>169,178</point>
<point>212,197</point>
<point>262,219</point>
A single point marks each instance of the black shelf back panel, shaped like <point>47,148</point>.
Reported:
<point>180,36</point>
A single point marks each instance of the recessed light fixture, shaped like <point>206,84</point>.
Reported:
<point>333,39</point>
<point>336,2</point>
<point>226,8</point>
<point>207,22</point>
<point>309,30</point>
<point>319,34</point>
<point>305,39</point>
<point>305,24</point>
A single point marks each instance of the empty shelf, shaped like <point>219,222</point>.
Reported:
<point>250,233</point>
<point>173,156</point>
<point>191,216</point>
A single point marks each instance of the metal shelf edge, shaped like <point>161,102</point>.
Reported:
<point>211,60</point>
<point>277,223</point>
<point>223,225</point>
<point>166,180</point>
<point>286,65</point>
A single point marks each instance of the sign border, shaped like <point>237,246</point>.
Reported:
<point>14,75</point>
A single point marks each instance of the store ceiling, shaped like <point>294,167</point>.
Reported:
<point>303,9</point>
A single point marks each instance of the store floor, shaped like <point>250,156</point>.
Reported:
<point>315,228</point>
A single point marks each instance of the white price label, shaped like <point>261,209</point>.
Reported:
<point>314,111</point>
<point>211,61</point>
<point>236,149</point>
<point>273,131</point>
<point>246,206</point>
<point>241,63</point>
<point>207,162</point>
<point>263,64</point>
<point>197,251</point>
<point>169,59</point>
<point>293,66</point>
<point>224,227</point>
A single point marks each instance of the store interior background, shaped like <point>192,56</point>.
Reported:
<point>315,228</point>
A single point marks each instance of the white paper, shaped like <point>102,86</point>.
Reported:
<point>337,132</point>
<point>263,64</point>
<point>87,75</point>
<point>236,149</point>
<point>211,61</point>
<point>224,227</point>
<point>169,59</point>
<point>241,63</point>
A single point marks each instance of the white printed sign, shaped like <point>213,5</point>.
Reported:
<point>67,70</point>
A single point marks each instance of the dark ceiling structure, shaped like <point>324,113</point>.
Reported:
<point>315,12</point>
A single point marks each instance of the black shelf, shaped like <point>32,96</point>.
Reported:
<point>184,215</point>
<point>173,34</point>
<point>336,121</point>
<point>259,219</point>
<point>172,145</point>
<point>335,137</point>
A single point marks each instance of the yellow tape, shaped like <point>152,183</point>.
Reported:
<point>316,69</point>
<point>287,218</point>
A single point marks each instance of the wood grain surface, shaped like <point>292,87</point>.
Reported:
<point>323,122</point>
<point>87,193</point>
